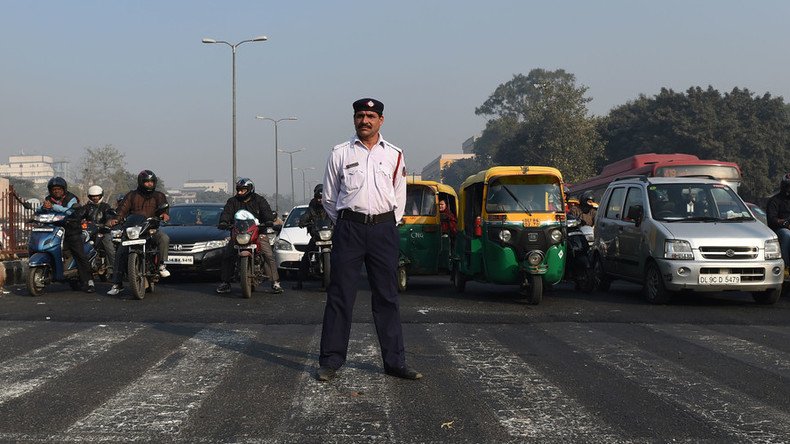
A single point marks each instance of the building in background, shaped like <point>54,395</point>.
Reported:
<point>37,169</point>
<point>205,185</point>
<point>468,146</point>
<point>433,171</point>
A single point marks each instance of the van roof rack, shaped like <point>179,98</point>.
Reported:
<point>700,176</point>
<point>641,177</point>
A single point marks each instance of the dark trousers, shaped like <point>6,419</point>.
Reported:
<point>73,241</point>
<point>376,246</point>
<point>304,264</point>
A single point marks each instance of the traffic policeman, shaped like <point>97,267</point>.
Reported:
<point>364,195</point>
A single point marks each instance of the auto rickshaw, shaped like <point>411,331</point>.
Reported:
<point>511,229</point>
<point>424,248</point>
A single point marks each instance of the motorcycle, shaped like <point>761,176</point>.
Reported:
<point>143,263</point>
<point>46,255</point>
<point>320,263</point>
<point>249,266</point>
<point>101,264</point>
<point>579,268</point>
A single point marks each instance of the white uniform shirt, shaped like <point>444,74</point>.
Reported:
<point>361,180</point>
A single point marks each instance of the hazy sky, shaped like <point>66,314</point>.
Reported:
<point>134,74</point>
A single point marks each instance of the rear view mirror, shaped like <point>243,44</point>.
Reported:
<point>635,214</point>
<point>161,209</point>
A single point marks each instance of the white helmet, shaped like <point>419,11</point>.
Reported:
<point>95,190</point>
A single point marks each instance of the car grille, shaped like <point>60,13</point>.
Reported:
<point>197,247</point>
<point>727,253</point>
<point>747,274</point>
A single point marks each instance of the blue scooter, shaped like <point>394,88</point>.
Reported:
<point>46,262</point>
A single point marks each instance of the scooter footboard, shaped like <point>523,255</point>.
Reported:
<point>39,260</point>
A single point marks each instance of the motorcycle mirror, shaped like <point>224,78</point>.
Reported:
<point>162,208</point>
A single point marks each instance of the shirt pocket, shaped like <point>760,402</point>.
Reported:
<point>384,177</point>
<point>353,178</point>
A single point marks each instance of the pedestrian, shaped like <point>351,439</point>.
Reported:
<point>364,195</point>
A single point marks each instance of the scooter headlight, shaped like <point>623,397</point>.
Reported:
<point>243,238</point>
<point>505,235</point>
<point>133,232</point>
<point>325,235</point>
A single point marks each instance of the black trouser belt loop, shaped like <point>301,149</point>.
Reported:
<point>370,219</point>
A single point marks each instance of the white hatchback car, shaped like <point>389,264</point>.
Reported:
<point>292,242</point>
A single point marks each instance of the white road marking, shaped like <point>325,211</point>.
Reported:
<point>746,419</point>
<point>30,371</point>
<point>11,329</point>
<point>353,407</point>
<point>742,350</point>
<point>526,403</point>
<point>156,405</point>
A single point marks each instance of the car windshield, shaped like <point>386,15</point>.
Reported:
<point>195,215</point>
<point>294,216</point>
<point>519,194</point>
<point>420,201</point>
<point>696,202</point>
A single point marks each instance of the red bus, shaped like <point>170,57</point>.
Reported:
<point>660,165</point>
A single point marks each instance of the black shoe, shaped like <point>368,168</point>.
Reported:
<point>403,372</point>
<point>325,374</point>
<point>223,288</point>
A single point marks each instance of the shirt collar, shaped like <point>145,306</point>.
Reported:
<point>355,140</point>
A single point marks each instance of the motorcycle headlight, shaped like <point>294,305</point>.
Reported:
<point>772,250</point>
<point>677,249</point>
<point>283,245</point>
<point>210,245</point>
<point>505,235</point>
<point>133,232</point>
<point>116,233</point>
<point>325,235</point>
<point>243,238</point>
<point>556,236</point>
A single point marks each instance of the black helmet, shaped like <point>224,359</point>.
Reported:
<point>318,191</point>
<point>57,182</point>
<point>144,176</point>
<point>587,195</point>
<point>247,183</point>
<point>784,186</point>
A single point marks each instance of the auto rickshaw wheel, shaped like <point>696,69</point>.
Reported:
<point>535,290</point>
<point>459,280</point>
<point>403,278</point>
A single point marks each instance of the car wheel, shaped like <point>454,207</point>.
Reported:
<point>654,290</point>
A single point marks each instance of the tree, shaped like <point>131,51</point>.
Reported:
<point>541,119</point>
<point>106,167</point>
<point>26,189</point>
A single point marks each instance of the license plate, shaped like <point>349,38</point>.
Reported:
<point>719,279</point>
<point>319,243</point>
<point>133,242</point>
<point>180,260</point>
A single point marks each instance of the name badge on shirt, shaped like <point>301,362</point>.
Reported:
<point>352,165</point>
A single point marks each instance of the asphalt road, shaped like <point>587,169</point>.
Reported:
<point>189,365</point>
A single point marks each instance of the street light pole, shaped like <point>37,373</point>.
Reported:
<point>261,38</point>
<point>291,153</point>
<point>304,181</point>
<point>276,163</point>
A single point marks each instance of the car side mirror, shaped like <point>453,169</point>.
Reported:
<point>635,214</point>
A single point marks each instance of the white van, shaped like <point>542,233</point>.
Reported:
<point>684,233</point>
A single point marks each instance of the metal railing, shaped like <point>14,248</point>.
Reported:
<point>15,224</point>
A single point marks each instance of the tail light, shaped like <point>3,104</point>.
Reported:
<point>478,227</point>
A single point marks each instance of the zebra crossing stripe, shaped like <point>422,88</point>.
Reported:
<point>742,350</point>
<point>9,330</point>
<point>157,404</point>
<point>30,371</point>
<point>735,413</point>
<point>353,407</point>
<point>525,402</point>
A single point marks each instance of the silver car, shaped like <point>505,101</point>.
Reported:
<point>683,233</point>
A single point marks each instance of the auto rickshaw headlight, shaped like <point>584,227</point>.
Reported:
<point>505,236</point>
<point>535,257</point>
<point>556,236</point>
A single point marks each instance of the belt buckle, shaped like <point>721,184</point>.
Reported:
<point>369,219</point>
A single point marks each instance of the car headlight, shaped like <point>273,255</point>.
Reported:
<point>772,250</point>
<point>210,245</point>
<point>243,238</point>
<point>505,235</point>
<point>677,249</point>
<point>325,235</point>
<point>556,236</point>
<point>133,232</point>
<point>283,245</point>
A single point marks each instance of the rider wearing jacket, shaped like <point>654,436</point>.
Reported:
<point>311,219</point>
<point>585,211</point>
<point>144,200</point>
<point>247,199</point>
<point>60,200</point>
<point>96,212</point>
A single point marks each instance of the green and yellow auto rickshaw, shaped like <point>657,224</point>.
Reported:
<point>511,229</point>
<point>424,248</point>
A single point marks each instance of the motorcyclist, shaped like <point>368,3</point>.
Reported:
<point>247,199</point>
<point>144,200</point>
<point>98,212</point>
<point>778,215</point>
<point>60,200</point>
<point>585,212</point>
<point>311,219</point>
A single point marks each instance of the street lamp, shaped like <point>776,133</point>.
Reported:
<point>291,153</point>
<point>276,163</point>
<point>261,38</point>
<point>304,181</point>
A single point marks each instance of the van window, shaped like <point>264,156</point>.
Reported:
<point>614,207</point>
<point>633,199</point>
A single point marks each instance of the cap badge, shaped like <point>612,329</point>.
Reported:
<point>370,103</point>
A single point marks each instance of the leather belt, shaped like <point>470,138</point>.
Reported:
<point>369,219</point>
